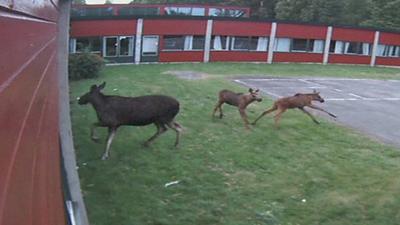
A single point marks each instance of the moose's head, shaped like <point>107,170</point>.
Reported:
<point>93,93</point>
<point>255,95</point>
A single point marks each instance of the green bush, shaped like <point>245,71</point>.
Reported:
<point>84,65</point>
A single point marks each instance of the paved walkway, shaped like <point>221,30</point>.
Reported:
<point>371,106</point>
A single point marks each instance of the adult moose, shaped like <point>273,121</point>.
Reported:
<point>115,111</point>
<point>240,100</point>
<point>297,101</point>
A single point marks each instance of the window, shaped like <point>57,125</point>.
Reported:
<point>118,46</point>
<point>282,45</point>
<point>91,44</point>
<point>150,46</point>
<point>186,43</point>
<point>198,42</point>
<point>184,11</point>
<point>388,50</point>
<point>341,47</point>
<point>307,45</point>
<point>125,46</point>
<point>82,12</point>
<point>240,43</point>
<point>220,43</point>
<point>226,12</point>
<point>198,12</point>
<point>249,43</point>
<point>318,46</point>
<point>111,46</point>
<point>139,11</point>
<point>173,42</point>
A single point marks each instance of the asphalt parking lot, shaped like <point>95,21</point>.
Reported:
<point>370,106</point>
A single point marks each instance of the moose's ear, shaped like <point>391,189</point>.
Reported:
<point>102,85</point>
<point>93,87</point>
<point>250,90</point>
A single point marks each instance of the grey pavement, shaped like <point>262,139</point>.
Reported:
<point>370,106</point>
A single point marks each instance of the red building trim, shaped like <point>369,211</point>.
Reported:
<point>298,57</point>
<point>92,28</point>
<point>389,38</point>
<point>181,56</point>
<point>240,28</point>
<point>238,56</point>
<point>350,34</point>
<point>301,31</point>
<point>349,59</point>
<point>174,27</point>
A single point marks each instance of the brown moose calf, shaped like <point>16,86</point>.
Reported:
<point>239,100</point>
<point>299,101</point>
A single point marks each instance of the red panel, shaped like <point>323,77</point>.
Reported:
<point>103,28</point>
<point>298,57</point>
<point>240,28</point>
<point>179,27</point>
<point>230,56</point>
<point>44,9</point>
<point>347,34</point>
<point>349,59</point>
<point>27,39</point>
<point>30,176</point>
<point>20,190</point>
<point>186,56</point>
<point>301,31</point>
<point>389,38</point>
<point>388,61</point>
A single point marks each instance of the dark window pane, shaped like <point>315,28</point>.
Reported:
<point>139,11</point>
<point>198,42</point>
<point>173,42</point>
<point>126,46</point>
<point>111,46</point>
<point>299,45</point>
<point>92,44</point>
<point>353,48</point>
<point>253,43</point>
<point>241,43</point>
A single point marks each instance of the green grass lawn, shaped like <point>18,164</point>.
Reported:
<point>301,173</point>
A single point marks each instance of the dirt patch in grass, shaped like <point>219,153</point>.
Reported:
<point>187,74</point>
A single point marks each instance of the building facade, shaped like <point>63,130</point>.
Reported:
<point>169,37</point>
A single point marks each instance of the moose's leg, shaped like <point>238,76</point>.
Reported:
<point>277,116</point>
<point>309,114</point>
<point>111,134</point>
<point>160,129</point>
<point>93,135</point>
<point>320,109</point>
<point>264,113</point>
<point>244,117</point>
<point>178,129</point>
<point>219,106</point>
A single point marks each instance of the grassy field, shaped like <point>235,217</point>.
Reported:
<point>301,173</point>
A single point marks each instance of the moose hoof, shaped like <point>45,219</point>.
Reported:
<point>96,139</point>
<point>146,144</point>
<point>104,157</point>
